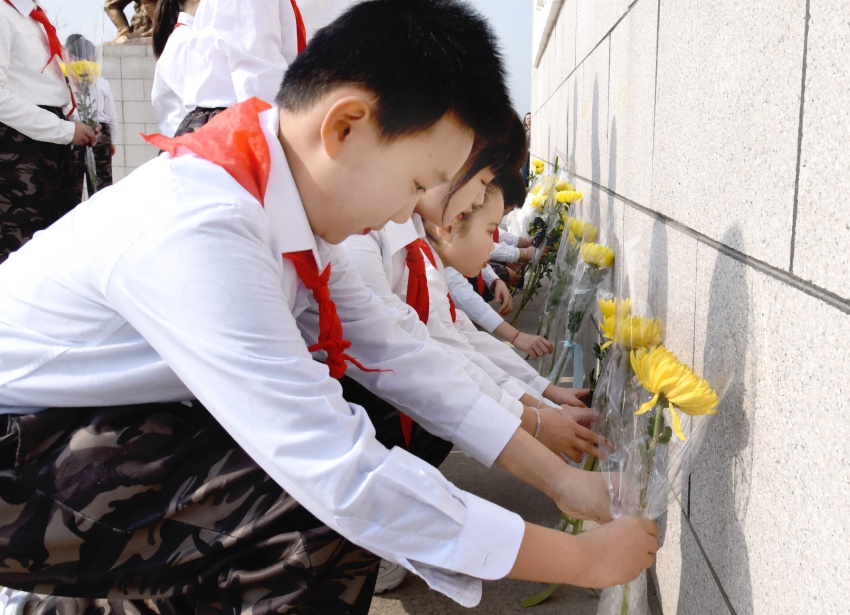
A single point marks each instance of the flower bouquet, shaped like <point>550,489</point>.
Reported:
<point>83,76</point>
<point>550,200</point>
<point>655,412</point>
<point>591,267</point>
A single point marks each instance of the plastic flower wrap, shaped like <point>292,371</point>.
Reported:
<point>82,72</point>
<point>546,229</point>
<point>655,411</point>
<point>535,170</point>
<point>591,266</point>
<point>552,316</point>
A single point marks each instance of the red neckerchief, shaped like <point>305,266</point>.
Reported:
<point>417,282</point>
<point>301,31</point>
<point>53,43</point>
<point>234,140</point>
<point>496,234</point>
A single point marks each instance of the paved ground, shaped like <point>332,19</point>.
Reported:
<point>413,597</point>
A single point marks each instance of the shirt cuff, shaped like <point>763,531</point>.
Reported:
<point>511,403</point>
<point>477,555</point>
<point>485,430</point>
<point>489,276</point>
<point>539,384</point>
<point>515,388</point>
<point>489,319</point>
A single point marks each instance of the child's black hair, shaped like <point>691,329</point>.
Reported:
<point>512,187</point>
<point>164,22</point>
<point>420,58</point>
<point>504,154</point>
<point>79,47</point>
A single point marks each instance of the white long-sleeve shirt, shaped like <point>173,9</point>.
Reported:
<point>23,84</point>
<point>380,259</point>
<point>460,333</point>
<point>470,302</point>
<point>169,77</point>
<point>506,250</point>
<point>170,285</point>
<point>235,50</point>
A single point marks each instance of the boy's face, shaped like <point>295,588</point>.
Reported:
<point>433,208</point>
<point>470,252</point>
<point>374,182</point>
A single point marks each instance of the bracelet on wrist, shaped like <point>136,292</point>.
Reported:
<point>537,430</point>
<point>516,335</point>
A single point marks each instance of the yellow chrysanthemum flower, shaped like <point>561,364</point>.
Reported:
<point>539,200</point>
<point>84,70</point>
<point>567,196</point>
<point>563,184</point>
<point>606,327</point>
<point>671,381</point>
<point>571,239</point>
<point>536,189</point>
<point>630,331</point>
<point>597,255</point>
<point>606,307</point>
<point>583,230</point>
<point>609,307</point>
<point>538,165</point>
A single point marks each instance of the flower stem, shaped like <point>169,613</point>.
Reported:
<point>624,607</point>
<point>650,455</point>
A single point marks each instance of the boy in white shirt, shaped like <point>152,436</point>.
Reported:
<point>202,278</point>
<point>36,187</point>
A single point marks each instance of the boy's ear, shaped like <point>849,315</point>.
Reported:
<point>347,117</point>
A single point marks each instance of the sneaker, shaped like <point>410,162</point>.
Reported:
<point>390,576</point>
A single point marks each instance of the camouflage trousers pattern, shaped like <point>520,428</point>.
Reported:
<point>102,160</point>
<point>197,118</point>
<point>154,509</point>
<point>39,183</point>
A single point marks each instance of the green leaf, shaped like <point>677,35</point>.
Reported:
<point>538,598</point>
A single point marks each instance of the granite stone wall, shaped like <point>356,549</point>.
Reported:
<point>713,136</point>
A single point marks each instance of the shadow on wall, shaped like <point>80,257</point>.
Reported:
<point>572,155</point>
<point>721,482</point>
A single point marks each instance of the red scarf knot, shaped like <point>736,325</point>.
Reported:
<point>417,282</point>
<point>330,326</point>
<point>234,140</point>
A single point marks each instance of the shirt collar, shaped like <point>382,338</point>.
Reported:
<point>399,235</point>
<point>283,204</point>
<point>24,7</point>
<point>185,19</point>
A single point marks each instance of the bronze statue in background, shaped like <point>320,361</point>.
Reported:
<point>141,22</point>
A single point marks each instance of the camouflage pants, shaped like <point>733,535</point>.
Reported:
<point>102,159</point>
<point>39,183</point>
<point>154,509</point>
<point>197,118</point>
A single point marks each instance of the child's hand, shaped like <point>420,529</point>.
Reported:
<point>570,397</point>
<point>534,345</point>
<point>562,432</point>
<point>502,294</point>
<point>617,552</point>
<point>582,494</point>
